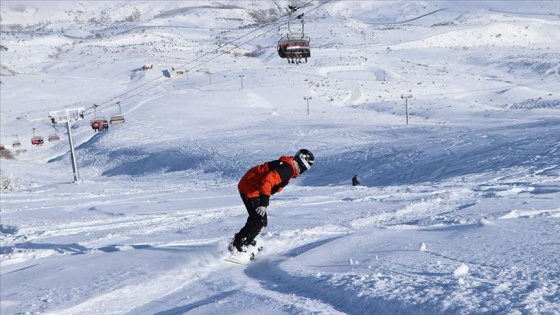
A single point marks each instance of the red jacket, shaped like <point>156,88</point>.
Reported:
<point>266,179</point>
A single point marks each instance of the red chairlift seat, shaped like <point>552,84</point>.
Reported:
<point>37,140</point>
<point>294,46</point>
<point>294,49</point>
<point>99,124</point>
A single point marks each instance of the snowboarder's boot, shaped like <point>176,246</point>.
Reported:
<point>236,244</point>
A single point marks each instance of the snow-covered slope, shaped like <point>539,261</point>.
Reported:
<point>457,212</point>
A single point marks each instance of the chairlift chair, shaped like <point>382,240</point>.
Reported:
<point>53,137</point>
<point>37,140</point>
<point>98,123</point>
<point>16,144</point>
<point>294,46</point>
<point>117,118</point>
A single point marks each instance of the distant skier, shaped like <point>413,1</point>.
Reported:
<point>256,187</point>
<point>355,181</point>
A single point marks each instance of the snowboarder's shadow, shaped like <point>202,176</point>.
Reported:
<point>307,247</point>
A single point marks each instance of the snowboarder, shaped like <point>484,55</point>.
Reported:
<point>256,187</point>
<point>355,181</point>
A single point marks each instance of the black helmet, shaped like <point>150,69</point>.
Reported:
<point>304,158</point>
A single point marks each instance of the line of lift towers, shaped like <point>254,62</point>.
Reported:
<point>294,47</point>
<point>98,123</point>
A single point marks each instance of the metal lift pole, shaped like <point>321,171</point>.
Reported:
<point>72,153</point>
<point>67,116</point>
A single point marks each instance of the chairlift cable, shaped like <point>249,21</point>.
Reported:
<point>120,96</point>
<point>211,52</point>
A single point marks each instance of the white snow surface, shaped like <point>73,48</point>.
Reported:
<point>458,211</point>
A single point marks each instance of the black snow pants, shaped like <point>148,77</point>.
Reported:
<point>255,223</point>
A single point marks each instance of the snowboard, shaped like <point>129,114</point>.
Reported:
<point>244,258</point>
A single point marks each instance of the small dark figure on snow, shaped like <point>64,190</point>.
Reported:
<point>355,181</point>
<point>256,187</point>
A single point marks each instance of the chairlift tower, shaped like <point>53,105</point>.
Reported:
<point>67,116</point>
<point>209,73</point>
<point>241,77</point>
<point>406,97</point>
<point>307,98</point>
